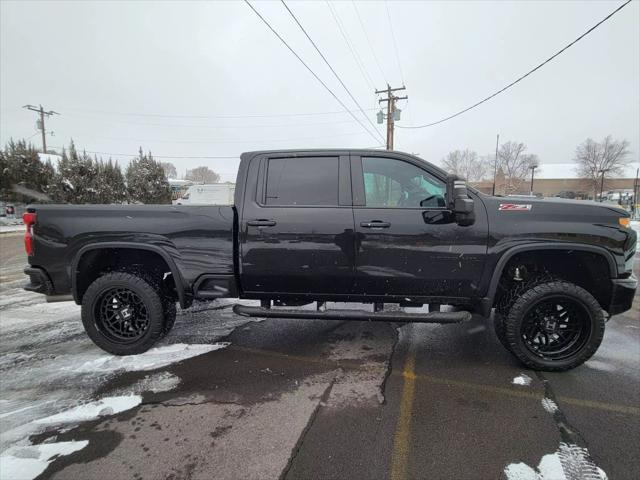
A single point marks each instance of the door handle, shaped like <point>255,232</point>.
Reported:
<point>261,223</point>
<point>375,224</point>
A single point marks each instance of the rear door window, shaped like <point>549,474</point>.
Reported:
<point>302,181</point>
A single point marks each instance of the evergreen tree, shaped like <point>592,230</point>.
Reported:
<point>62,188</point>
<point>146,182</point>
<point>6,177</point>
<point>25,177</point>
<point>110,186</point>
<point>118,187</point>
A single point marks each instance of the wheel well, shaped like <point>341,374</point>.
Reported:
<point>144,263</point>
<point>586,269</point>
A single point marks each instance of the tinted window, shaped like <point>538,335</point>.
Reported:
<point>302,181</point>
<point>394,183</point>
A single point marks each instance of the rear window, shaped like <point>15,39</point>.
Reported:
<point>302,181</point>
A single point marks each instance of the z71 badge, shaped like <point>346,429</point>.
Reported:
<point>515,207</point>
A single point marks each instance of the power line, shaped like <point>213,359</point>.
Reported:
<point>186,157</point>
<point>207,141</point>
<point>309,69</point>
<point>395,44</point>
<point>375,57</point>
<point>523,76</point>
<point>331,68</point>
<point>182,125</point>
<point>352,49</point>
<point>178,115</point>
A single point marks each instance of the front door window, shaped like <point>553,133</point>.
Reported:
<point>390,183</point>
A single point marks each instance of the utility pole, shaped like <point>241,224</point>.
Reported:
<point>40,122</point>
<point>391,110</point>
<point>533,169</point>
<point>495,166</point>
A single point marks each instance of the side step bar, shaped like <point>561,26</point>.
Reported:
<point>430,317</point>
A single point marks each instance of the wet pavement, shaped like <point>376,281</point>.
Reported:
<point>313,399</point>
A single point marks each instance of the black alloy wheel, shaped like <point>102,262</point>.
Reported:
<point>556,327</point>
<point>121,315</point>
<point>553,326</point>
<point>125,314</point>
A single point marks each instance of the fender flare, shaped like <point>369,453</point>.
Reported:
<point>531,247</point>
<point>177,276</point>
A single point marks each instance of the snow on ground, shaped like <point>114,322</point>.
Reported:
<point>549,405</point>
<point>11,228</point>
<point>51,370</point>
<point>93,410</point>
<point>569,462</point>
<point>522,379</point>
<point>31,461</point>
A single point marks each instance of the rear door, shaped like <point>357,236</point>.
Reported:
<point>297,229</point>
<point>408,243</point>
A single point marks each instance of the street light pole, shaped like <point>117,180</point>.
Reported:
<point>495,166</point>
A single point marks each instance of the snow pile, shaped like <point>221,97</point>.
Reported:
<point>28,462</point>
<point>569,462</point>
<point>522,379</point>
<point>93,410</point>
<point>150,360</point>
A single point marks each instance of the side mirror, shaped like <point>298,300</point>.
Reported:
<point>462,205</point>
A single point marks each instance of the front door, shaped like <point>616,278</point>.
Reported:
<point>408,243</point>
<point>297,232</point>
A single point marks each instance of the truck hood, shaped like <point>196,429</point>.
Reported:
<point>558,206</point>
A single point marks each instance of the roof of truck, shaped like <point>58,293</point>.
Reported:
<point>360,151</point>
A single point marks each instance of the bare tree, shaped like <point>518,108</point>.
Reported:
<point>466,164</point>
<point>515,164</point>
<point>601,160</point>
<point>169,169</point>
<point>202,175</point>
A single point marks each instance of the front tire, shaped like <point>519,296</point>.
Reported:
<point>123,314</point>
<point>554,326</point>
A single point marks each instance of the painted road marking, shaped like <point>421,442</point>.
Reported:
<point>510,392</point>
<point>402,436</point>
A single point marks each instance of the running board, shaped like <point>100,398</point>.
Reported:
<point>382,316</point>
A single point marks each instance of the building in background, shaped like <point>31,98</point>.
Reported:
<point>562,180</point>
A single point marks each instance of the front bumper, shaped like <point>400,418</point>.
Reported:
<point>622,292</point>
<point>38,281</point>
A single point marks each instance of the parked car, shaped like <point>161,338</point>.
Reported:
<point>368,226</point>
<point>211,194</point>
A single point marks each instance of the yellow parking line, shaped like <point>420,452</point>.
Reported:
<point>402,436</point>
<point>510,392</point>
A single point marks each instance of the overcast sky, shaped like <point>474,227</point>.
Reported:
<point>209,79</point>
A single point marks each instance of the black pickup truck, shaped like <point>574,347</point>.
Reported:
<point>376,227</point>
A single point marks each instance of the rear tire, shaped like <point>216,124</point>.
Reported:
<point>554,326</point>
<point>123,314</point>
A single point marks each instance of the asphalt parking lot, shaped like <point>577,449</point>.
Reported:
<point>310,399</point>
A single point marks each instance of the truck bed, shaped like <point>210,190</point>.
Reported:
<point>199,239</point>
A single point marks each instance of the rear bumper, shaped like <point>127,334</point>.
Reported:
<point>622,292</point>
<point>38,281</point>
